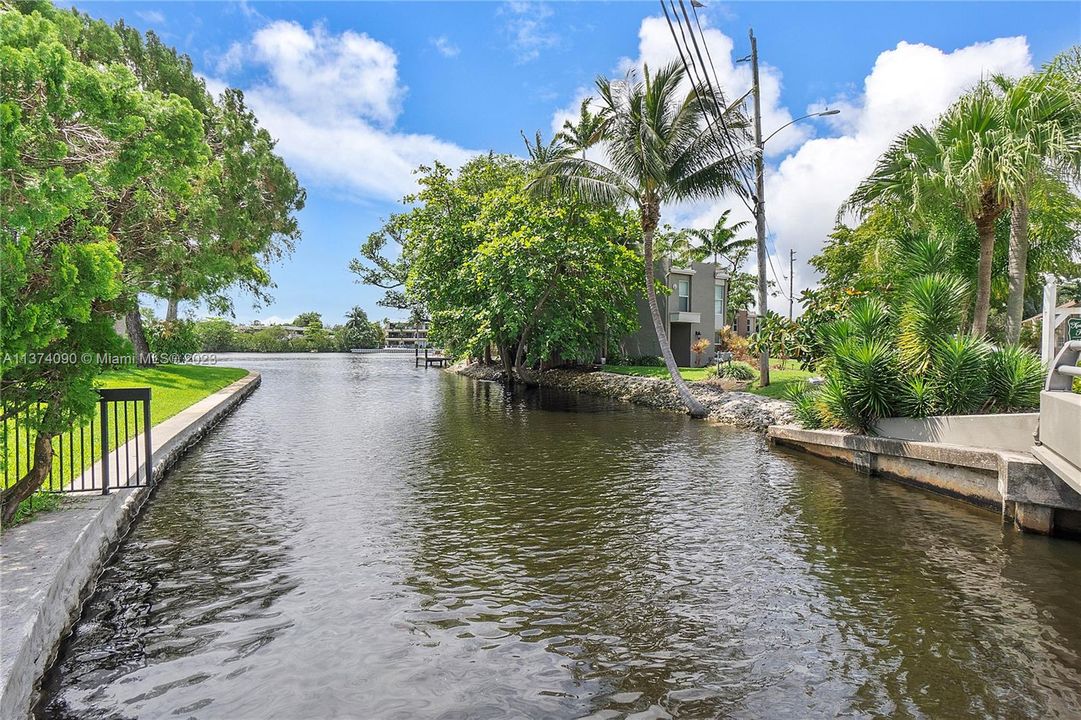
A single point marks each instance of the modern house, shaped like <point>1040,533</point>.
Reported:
<point>695,309</point>
<point>406,335</point>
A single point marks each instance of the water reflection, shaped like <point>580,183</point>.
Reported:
<point>363,539</point>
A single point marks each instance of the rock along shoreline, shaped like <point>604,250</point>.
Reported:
<point>731,407</point>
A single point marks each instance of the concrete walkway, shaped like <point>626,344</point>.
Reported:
<point>48,566</point>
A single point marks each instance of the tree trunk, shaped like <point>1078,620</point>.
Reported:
<point>171,310</point>
<point>133,321</point>
<point>1018,263</point>
<point>985,226</point>
<point>29,483</point>
<point>650,218</point>
<point>508,364</point>
<point>487,354</point>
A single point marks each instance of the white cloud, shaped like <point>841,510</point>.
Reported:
<point>445,47</point>
<point>331,101</point>
<point>526,24</point>
<point>155,17</point>
<point>909,84</point>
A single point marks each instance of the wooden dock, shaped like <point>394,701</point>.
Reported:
<point>438,360</point>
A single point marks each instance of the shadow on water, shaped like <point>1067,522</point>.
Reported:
<point>366,539</point>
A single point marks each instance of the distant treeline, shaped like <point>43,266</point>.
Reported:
<point>306,334</point>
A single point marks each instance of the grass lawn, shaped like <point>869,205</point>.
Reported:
<point>173,388</point>
<point>660,372</point>
<point>781,375</point>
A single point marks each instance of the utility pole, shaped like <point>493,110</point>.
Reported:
<point>759,206</point>
<point>791,267</point>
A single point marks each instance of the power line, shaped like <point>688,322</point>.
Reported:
<point>695,83</point>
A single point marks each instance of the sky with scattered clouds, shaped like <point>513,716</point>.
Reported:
<point>359,94</point>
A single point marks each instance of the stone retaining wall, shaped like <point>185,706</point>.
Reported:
<point>731,407</point>
<point>49,566</point>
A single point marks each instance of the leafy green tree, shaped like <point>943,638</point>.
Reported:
<point>62,160</point>
<point>659,149</point>
<point>362,332</point>
<point>374,266</point>
<point>216,335</point>
<point>308,319</point>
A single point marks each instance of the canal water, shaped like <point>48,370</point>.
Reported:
<point>361,539</point>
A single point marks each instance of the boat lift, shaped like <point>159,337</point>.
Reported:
<point>1058,435</point>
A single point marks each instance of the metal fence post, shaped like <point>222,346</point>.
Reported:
<point>103,406</point>
<point>146,439</point>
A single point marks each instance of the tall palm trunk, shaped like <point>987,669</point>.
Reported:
<point>985,228</point>
<point>650,219</point>
<point>1018,260</point>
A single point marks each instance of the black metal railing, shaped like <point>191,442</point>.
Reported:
<point>98,456</point>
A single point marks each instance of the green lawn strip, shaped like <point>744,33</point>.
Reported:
<point>173,388</point>
<point>658,372</point>
<point>782,374</point>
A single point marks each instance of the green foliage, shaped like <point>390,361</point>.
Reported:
<point>933,310</point>
<point>215,335</point>
<point>804,399</point>
<point>958,373</point>
<point>1015,377</point>
<point>540,278</point>
<point>308,319</point>
<point>645,361</point>
<point>735,370</point>
<point>776,336</point>
<point>173,338</point>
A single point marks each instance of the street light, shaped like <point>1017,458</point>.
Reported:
<point>759,197</point>
<point>793,122</point>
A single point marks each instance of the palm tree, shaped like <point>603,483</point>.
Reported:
<point>357,319</point>
<point>659,149</point>
<point>954,162</point>
<point>1039,137</point>
<point>539,153</point>
<point>587,132</point>
<point>720,240</point>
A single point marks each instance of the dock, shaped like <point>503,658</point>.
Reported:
<point>439,359</point>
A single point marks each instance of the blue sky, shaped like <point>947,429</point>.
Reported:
<point>360,92</point>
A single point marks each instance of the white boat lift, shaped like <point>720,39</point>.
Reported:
<point>1058,436</point>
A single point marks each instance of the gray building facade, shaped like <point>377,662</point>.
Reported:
<point>695,309</point>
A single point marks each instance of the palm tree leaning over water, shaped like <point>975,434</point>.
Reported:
<point>658,149</point>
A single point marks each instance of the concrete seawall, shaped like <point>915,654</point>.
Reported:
<point>1012,483</point>
<point>49,566</point>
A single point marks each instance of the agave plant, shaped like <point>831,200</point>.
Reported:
<point>959,373</point>
<point>933,311</point>
<point>1015,377</point>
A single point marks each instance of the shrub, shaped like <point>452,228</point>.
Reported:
<point>804,397</point>
<point>917,398</point>
<point>177,337</point>
<point>646,361</point>
<point>1015,377</point>
<point>959,374</point>
<point>865,384</point>
<point>736,370</point>
<point>733,343</point>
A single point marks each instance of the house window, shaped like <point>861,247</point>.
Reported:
<point>683,290</point>
<point>718,304</point>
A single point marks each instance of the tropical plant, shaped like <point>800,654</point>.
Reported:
<point>721,241</point>
<point>659,149</point>
<point>1038,135</point>
<point>698,347</point>
<point>952,163</point>
<point>1015,378</point>
<point>736,370</point>
<point>584,133</point>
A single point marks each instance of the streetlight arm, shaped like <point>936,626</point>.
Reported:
<point>793,122</point>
